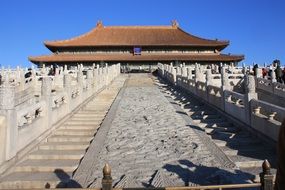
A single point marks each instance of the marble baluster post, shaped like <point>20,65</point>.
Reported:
<point>225,85</point>
<point>89,78</point>
<point>250,93</point>
<point>68,89</point>
<point>8,111</point>
<point>208,82</point>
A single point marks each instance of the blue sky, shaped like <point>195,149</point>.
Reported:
<point>255,28</point>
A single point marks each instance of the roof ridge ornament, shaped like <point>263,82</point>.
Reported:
<point>174,24</point>
<point>99,24</point>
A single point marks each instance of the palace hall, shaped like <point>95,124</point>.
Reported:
<point>136,46</point>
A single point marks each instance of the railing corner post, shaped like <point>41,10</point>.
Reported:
<point>266,178</point>
<point>107,178</point>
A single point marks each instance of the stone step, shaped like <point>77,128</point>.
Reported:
<point>70,138</point>
<point>194,104</point>
<point>236,142</point>
<point>97,105</point>
<point>94,109</point>
<point>202,112</point>
<point>209,121</point>
<point>80,119</point>
<point>57,154</point>
<point>195,109</point>
<point>76,122</point>
<point>249,164</point>
<point>80,127</point>
<point>224,135</point>
<point>204,117</point>
<point>88,116</point>
<point>229,136</point>
<point>245,149</point>
<point>212,130</point>
<point>95,112</point>
<point>64,146</point>
<point>41,165</point>
<point>74,132</point>
<point>253,159</point>
<point>217,124</point>
<point>34,180</point>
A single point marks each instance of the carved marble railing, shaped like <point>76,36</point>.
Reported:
<point>233,79</point>
<point>266,117</point>
<point>261,116</point>
<point>27,115</point>
<point>234,104</point>
<point>215,96</point>
<point>30,113</point>
<point>201,89</point>
<point>58,100</point>
<point>274,88</point>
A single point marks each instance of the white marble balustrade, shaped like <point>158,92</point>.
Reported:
<point>217,90</point>
<point>31,107</point>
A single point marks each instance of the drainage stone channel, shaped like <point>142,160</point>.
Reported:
<point>151,144</point>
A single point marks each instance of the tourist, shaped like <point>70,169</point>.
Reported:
<point>270,72</point>
<point>283,75</point>
<point>51,72</point>
<point>220,69</point>
<point>278,73</point>
<point>255,67</point>
<point>264,72</point>
<point>280,176</point>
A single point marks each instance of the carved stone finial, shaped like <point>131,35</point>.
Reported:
<point>266,167</point>
<point>174,24</point>
<point>107,170</point>
<point>99,24</point>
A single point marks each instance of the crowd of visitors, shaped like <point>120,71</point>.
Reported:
<point>267,72</point>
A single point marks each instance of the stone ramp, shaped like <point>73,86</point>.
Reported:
<point>246,150</point>
<point>54,161</point>
<point>149,144</point>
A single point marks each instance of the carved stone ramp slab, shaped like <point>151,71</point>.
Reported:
<point>148,134</point>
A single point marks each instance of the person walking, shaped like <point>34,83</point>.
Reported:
<point>255,67</point>
<point>283,75</point>
<point>278,73</point>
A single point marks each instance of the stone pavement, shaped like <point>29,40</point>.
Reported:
<point>150,144</point>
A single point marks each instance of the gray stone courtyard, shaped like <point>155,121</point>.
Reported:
<point>150,144</point>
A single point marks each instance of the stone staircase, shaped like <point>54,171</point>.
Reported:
<point>53,162</point>
<point>244,149</point>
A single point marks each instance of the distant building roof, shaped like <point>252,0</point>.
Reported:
<point>136,36</point>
